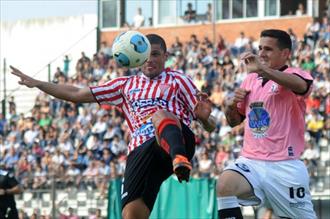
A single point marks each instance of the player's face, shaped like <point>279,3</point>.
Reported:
<point>156,62</point>
<point>270,54</point>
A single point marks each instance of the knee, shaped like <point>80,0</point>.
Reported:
<point>226,187</point>
<point>160,115</point>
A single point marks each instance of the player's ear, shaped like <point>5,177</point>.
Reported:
<point>286,53</point>
<point>166,54</point>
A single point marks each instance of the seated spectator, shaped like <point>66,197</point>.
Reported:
<point>70,215</point>
<point>205,165</point>
<point>239,45</point>
<point>315,126</point>
<point>39,178</point>
<point>221,157</point>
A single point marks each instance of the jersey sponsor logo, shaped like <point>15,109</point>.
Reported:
<point>145,130</point>
<point>243,167</point>
<point>297,205</point>
<point>259,120</point>
<point>149,102</point>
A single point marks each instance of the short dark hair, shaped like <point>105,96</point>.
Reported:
<point>283,38</point>
<point>156,39</point>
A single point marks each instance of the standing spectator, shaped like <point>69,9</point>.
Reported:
<point>66,65</point>
<point>209,12</point>
<point>300,10</point>
<point>189,14</point>
<point>9,186</point>
<point>138,20</point>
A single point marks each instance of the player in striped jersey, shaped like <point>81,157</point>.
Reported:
<point>159,105</point>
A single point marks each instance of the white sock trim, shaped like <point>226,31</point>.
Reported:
<point>227,202</point>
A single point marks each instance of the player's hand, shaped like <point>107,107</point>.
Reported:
<point>203,108</point>
<point>2,191</point>
<point>24,79</point>
<point>252,62</point>
<point>239,96</point>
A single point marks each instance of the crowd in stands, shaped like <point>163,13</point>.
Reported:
<point>84,145</point>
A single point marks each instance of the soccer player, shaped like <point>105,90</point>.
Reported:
<point>271,100</point>
<point>159,105</point>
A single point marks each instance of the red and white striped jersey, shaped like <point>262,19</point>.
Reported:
<point>139,97</point>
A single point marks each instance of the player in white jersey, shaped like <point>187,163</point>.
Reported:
<point>271,100</point>
<point>159,105</point>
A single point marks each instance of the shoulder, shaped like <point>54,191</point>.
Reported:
<point>177,74</point>
<point>304,74</point>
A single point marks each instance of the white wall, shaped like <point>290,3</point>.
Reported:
<point>31,44</point>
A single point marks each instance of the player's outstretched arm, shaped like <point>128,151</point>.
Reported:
<point>64,92</point>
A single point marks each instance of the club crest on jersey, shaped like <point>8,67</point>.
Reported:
<point>243,167</point>
<point>163,88</point>
<point>259,119</point>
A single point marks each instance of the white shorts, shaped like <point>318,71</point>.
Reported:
<point>283,185</point>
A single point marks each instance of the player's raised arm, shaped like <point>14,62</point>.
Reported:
<point>64,92</point>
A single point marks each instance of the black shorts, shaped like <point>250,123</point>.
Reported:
<point>147,167</point>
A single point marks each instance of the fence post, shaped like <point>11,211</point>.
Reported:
<point>4,88</point>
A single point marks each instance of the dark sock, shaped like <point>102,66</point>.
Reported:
<point>171,138</point>
<point>230,213</point>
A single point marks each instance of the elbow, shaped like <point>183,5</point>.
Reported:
<point>232,124</point>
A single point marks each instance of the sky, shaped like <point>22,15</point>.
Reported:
<point>11,10</point>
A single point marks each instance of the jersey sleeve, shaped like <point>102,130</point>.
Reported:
<point>187,91</point>
<point>110,93</point>
<point>306,76</point>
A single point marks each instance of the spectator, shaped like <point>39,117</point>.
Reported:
<point>138,19</point>
<point>96,215</point>
<point>239,45</point>
<point>70,214</point>
<point>300,10</point>
<point>66,65</point>
<point>189,14</point>
<point>205,165</point>
<point>209,13</point>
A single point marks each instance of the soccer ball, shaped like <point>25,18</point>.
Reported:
<point>131,49</point>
